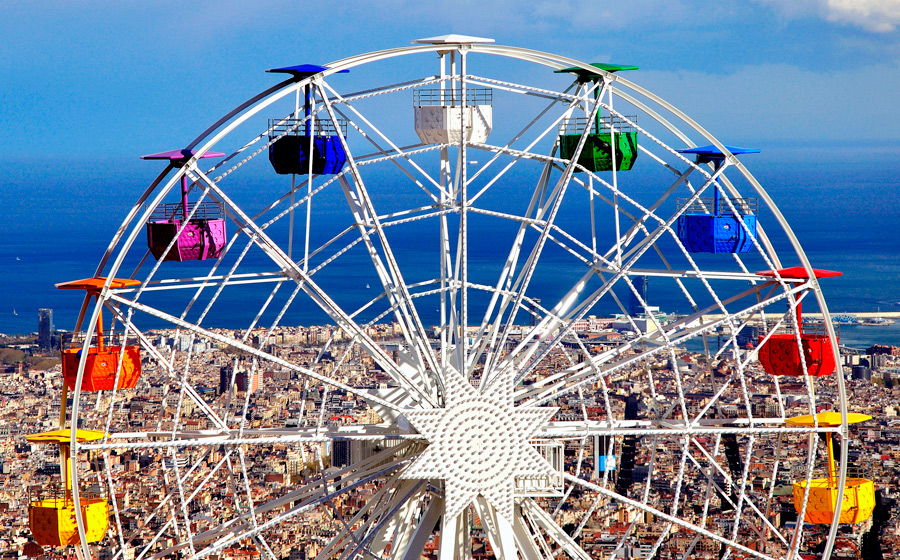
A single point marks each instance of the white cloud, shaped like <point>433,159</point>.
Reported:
<point>879,16</point>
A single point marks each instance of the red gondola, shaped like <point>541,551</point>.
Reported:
<point>779,355</point>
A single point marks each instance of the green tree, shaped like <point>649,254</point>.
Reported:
<point>9,356</point>
<point>42,363</point>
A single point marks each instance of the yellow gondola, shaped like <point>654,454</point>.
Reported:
<point>51,509</point>
<point>859,493</point>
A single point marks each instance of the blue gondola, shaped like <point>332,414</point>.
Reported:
<point>292,148</point>
<point>706,225</point>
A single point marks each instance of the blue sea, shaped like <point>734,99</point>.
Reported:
<point>842,201</point>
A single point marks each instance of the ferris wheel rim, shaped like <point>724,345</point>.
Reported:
<point>287,87</point>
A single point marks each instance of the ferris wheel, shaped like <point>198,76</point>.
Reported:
<point>545,314</point>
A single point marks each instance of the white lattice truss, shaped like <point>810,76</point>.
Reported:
<point>473,411</point>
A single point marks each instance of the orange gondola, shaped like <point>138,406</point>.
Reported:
<point>104,358</point>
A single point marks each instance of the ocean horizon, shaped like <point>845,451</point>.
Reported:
<point>841,201</point>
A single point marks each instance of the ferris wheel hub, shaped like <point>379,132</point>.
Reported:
<point>479,444</point>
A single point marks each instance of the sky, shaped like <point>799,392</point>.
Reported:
<point>94,79</point>
<point>87,86</point>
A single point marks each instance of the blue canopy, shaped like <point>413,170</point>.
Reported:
<point>712,153</point>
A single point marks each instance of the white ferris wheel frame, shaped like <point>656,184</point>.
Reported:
<point>419,387</point>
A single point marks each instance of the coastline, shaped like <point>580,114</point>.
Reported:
<point>853,335</point>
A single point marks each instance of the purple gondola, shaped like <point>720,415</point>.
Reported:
<point>203,237</point>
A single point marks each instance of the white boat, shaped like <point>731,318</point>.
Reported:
<point>876,322</point>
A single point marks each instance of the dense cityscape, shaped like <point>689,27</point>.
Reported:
<point>270,397</point>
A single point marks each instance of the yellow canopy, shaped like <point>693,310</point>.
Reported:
<point>65,435</point>
<point>827,419</point>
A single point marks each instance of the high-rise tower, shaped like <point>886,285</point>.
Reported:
<point>45,328</point>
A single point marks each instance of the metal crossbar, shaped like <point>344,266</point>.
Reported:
<point>704,205</point>
<point>61,495</point>
<point>576,125</point>
<point>865,471</point>
<point>300,127</point>
<point>813,329</point>
<point>109,339</point>
<point>452,97</point>
<point>205,211</point>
